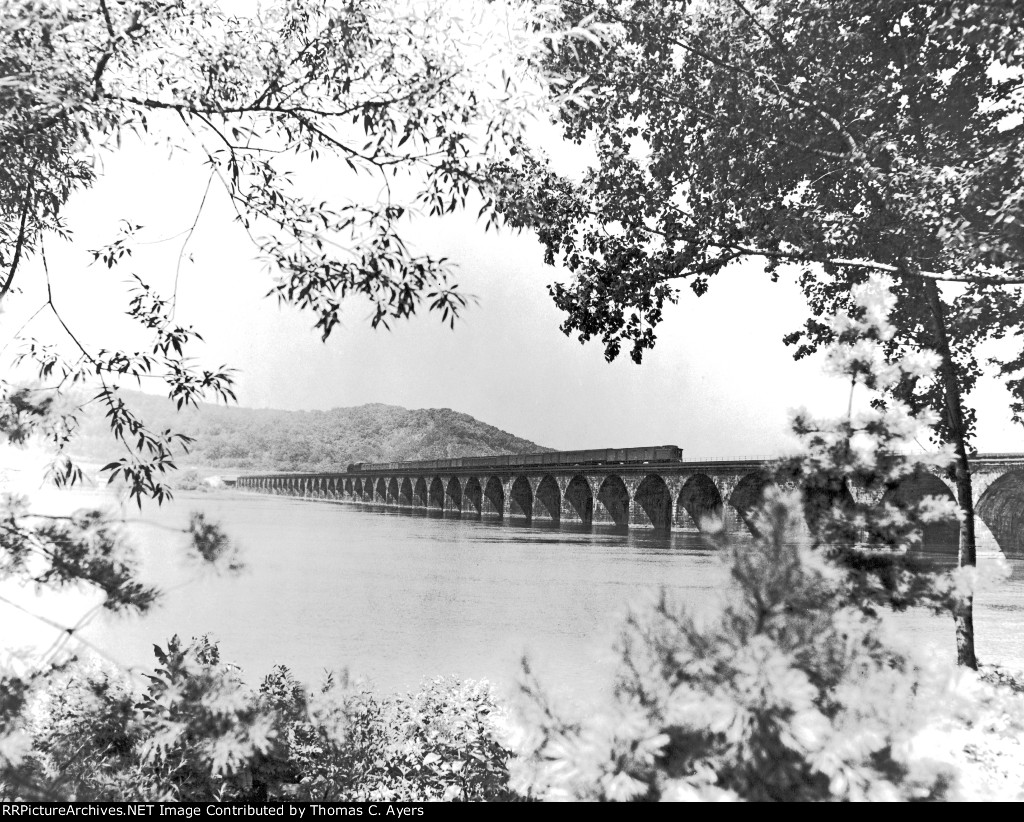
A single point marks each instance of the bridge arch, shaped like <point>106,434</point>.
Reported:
<point>549,499</point>
<point>436,498</point>
<point>748,495</point>
<point>420,495</point>
<point>521,499</point>
<point>580,499</point>
<point>614,498</point>
<point>453,495</point>
<point>382,491</point>
<point>821,499</point>
<point>473,496</point>
<point>405,492</point>
<point>700,499</point>
<point>359,488</point>
<point>349,488</point>
<point>908,492</point>
<point>1001,508</point>
<point>393,490</point>
<point>655,500</point>
<point>493,502</point>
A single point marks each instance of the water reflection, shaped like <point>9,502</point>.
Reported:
<point>400,594</point>
<point>648,537</point>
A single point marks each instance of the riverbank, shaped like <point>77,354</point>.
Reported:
<point>979,731</point>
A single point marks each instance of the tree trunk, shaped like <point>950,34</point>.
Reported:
<point>963,612</point>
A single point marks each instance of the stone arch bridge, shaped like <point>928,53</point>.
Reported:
<point>669,496</point>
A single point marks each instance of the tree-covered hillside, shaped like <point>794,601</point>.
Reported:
<point>257,439</point>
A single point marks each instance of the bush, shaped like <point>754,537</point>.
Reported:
<point>788,693</point>
<point>436,744</point>
<point>196,733</point>
<point>190,481</point>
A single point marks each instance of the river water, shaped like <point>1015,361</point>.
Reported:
<point>395,597</point>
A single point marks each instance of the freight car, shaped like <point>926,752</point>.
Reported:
<point>601,456</point>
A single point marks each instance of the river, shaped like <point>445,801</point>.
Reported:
<point>394,597</point>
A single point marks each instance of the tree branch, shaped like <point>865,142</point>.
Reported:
<point>184,244</point>
<point>106,18</point>
<point>898,271</point>
<point>19,245</point>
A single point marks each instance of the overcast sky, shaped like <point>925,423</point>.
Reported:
<point>719,382</point>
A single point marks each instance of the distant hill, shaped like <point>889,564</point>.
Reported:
<point>264,440</point>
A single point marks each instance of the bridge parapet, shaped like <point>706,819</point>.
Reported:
<point>676,496</point>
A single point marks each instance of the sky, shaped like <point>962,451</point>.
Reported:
<point>719,382</point>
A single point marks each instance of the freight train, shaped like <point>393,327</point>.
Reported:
<point>599,456</point>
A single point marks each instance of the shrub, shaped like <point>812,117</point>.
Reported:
<point>196,732</point>
<point>437,743</point>
<point>787,693</point>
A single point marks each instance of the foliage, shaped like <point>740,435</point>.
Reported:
<point>873,448</point>
<point>786,693</point>
<point>793,689</point>
<point>190,481</point>
<point>264,439</point>
<point>197,733</point>
<point>439,743</point>
<point>84,549</point>
<point>995,675</point>
<point>193,732</point>
<point>840,138</point>
<point>391,91</point>
<point>211,546</point>
<point>447,745</point>
<point>843,138</point>
<point>822,136</point>
<point>88,549</point>
<point>406,96</point>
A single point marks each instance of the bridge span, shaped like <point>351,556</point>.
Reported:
<point>681,495</point>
